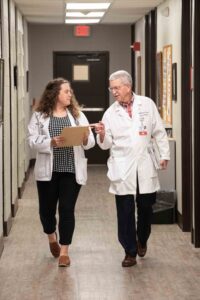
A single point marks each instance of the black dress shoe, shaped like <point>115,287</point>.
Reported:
<point>141,250</point>
<point>129,261</point>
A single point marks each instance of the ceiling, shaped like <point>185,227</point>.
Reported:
<point>53,11</point>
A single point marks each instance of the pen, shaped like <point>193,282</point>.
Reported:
<point>93,125</point>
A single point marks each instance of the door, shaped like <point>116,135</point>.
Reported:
<point>88,74</point>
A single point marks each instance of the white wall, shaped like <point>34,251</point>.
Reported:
<point>13,91</point>
<point>169,33</point>
<point>11,128</point>
<point>140,37</point>
<point>21,100</point>
<point>26,92</point>
<point>44,39</point>
<point>6,112</point>
<point>1,188</point>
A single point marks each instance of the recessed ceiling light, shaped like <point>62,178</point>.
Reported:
<point>81,21</point>
<point>93,14</point>
<point>88,6</point>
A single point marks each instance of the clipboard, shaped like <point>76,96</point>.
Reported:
<point>74,135</point>
<point>154,153</point>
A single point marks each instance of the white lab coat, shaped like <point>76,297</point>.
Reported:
<point>40,140</point>
<point>128,138</point>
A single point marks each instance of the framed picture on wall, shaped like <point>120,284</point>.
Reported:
<point>1,88</point>
<point>174,81</point>
<point>167,84</point>
<point>159,79</point>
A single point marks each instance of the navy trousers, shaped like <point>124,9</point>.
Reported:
<point>128,231</point>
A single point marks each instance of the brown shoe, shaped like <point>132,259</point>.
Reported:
<point>129,261</point>
<point>141,250</point>
<point>64,261</point>
<point>55,248</point>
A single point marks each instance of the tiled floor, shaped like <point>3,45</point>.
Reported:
<point>170,270</point>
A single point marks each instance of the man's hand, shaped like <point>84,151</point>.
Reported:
<point>100,129</point>
<point>163,164</point>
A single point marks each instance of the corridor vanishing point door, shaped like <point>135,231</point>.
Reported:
<point>88,74</point>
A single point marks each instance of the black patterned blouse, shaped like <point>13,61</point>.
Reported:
<point>63,158</point>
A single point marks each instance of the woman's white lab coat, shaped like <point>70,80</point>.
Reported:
<point>40,140</point>
<point>128,140</point>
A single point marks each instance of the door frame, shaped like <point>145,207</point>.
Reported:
<point>84,53</point>
<point>105,80</point>
<point>196,129</point>
<point>185,220</point>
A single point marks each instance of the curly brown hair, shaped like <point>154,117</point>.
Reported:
<point>49,97</point>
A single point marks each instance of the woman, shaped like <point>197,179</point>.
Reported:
<point>59,171</point>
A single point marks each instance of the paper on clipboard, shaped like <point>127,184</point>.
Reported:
<point>74,135</point>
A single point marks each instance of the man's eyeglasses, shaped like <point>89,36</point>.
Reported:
<point>114,89</point>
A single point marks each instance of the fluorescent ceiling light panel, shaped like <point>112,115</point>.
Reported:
<point>88,6</point>
<point>93,14</point>
<point>81,21</point>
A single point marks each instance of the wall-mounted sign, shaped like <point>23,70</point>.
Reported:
<point>82,30</point>
<point>80,73</point>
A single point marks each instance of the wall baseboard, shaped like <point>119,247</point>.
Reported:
<point>14,207</point>
<point>180,220</point>
<point>7,226</point>
<point>21,190</point>
<point>167,216</point>
<point>1,245</point>
<point>32,163</point>
<point>27,173</point>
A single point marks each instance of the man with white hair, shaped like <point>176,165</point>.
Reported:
<point>127,129</point>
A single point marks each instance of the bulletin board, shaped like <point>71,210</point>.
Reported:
<point>167,84</point>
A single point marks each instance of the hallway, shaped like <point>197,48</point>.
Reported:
<point>170,270</point>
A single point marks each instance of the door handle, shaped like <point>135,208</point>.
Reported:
<point>92,109</point>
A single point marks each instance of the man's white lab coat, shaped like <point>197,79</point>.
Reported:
<point>128,139</point>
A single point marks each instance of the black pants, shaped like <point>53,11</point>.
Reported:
<point>62,190</point>
<point>127,231</point>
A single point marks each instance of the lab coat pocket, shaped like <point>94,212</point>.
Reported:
<point>41,165</point>
<point>81,170</point>
<point>152,171</point>
<point>146,168</point>
<point>116,168</point>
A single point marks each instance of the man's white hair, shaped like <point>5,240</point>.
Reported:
<point>124,76</point>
